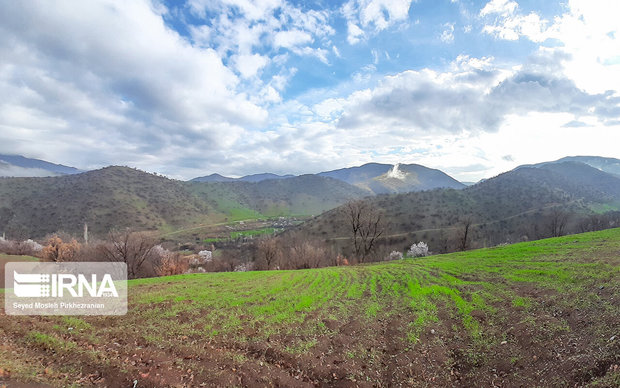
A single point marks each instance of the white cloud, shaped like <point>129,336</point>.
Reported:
<point>336,51</point>
<point>473,97</point>
<point>244,28</point>
<point>375,56</point>
<point>252,10</point>
<point>447,35</point>
<point>375,15</point>
<point>509,24</point>
<point>329,109</point>
<point>249,65</point>
<point>355,34</point>
<point>588,33</point>
<point>467,63</point>
<point>291,39</point>
<point>513,27</point>
<point>97,90</point>
<point>202,35</point>
<point>499,7</point>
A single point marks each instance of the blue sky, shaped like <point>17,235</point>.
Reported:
<point>188,88</point>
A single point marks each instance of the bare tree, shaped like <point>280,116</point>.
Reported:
<point>307,255</point>
<point>557,222</point>
<point>464,232</point>
<point>366,226</point>
<point>267,254</point>
<point>131,248</point>
<point>443,242</point>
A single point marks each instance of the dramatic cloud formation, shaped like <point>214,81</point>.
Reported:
<point>239,87</point>
<point>113,72</point>
<point>476,97</point>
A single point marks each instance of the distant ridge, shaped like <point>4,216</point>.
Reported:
<point>380,178</point>
<point>247,178</point>
<point>263,177</point>
<point>608,165</point>
<point>374,178</point>
<point>20,166</point>
<point>213,178</point>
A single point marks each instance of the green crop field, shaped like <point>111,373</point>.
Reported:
<point>542,313</point>
<point>252,232</point>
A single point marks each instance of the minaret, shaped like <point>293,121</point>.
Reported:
<point>85,233</point>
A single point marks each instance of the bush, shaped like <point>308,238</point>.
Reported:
<point>58,250</point>
<point>395,255</point>
<point>27,247</point>
<point>418,250</point>
<point>169,263</point>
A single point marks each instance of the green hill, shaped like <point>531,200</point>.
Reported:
<point>541,313</point>
<point>124,197</point>
<point>106,198</point>
<point>510,207</point>
<point>301,195</point>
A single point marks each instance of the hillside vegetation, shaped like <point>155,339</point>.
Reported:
<point>112,197</point>
<point>118,197</point>
<point>513,206</point>
<point>540,313</point>
<point>302,195</point>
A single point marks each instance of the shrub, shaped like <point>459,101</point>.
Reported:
<point>58,250</point>
<point>27,247</point>
<point>170,263</point>
<point>395,255</point>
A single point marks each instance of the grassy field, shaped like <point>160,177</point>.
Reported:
<point>252,232</point>
<point>241,233</point>
<point>542,313</point>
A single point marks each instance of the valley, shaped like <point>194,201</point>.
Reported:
<point>287,193</point>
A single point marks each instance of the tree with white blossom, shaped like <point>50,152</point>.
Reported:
<point>418,250</point>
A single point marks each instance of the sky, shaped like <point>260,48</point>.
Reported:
<point>237,87</point>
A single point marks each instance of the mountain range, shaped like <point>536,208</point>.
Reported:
<point>412,197</point>
<point>373,178</point>
<point>247,178</point>
<point>512,206</point>
<point>118,197</point>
